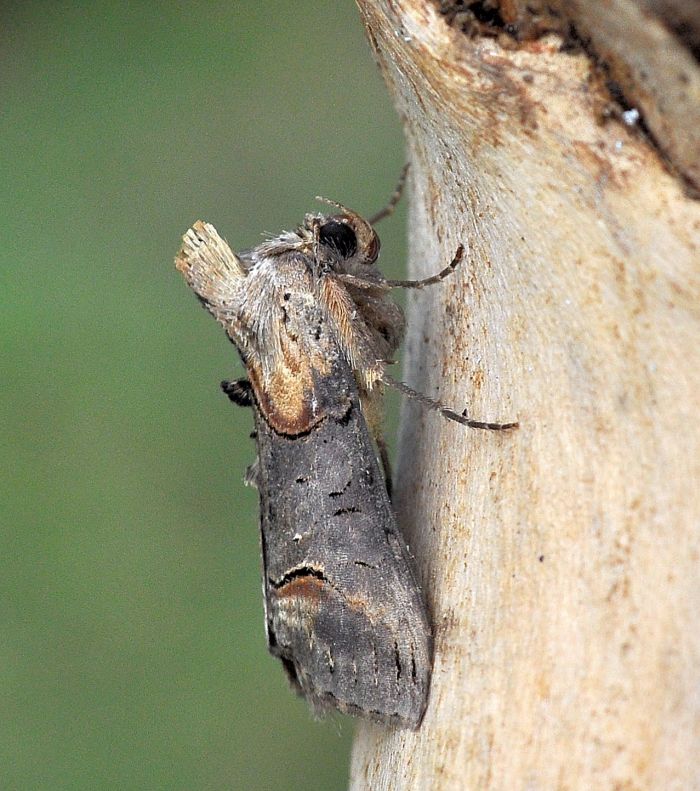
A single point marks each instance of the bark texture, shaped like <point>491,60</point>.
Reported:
<point>560,561</point>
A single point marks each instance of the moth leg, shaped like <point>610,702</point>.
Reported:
<point>445,411</point>
<point>239,391</point>
<point>316,242</point>
<point>429,281</point>
<point>389,209</point>
<point>380,283</point>
<point>366,282</point>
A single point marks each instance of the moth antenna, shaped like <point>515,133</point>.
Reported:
<point>429,281</point>
<point>444,410</point>
<point>335,203</point>
<point>315,240</point>
<point>389,209</point>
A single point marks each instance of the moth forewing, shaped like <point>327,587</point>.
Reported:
<point>343,609</point>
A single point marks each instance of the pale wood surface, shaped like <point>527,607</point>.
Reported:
<point>561,562</point>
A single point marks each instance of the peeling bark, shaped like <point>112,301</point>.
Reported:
<point>560,561</point>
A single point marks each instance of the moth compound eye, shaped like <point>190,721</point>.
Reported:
<point>339,236</point>
<point>367,239</point>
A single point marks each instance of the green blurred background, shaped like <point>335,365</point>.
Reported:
<point>132,651</point>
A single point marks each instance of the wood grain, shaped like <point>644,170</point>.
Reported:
<point>560,561</point>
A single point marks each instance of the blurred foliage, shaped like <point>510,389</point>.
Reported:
<point>133,652</point>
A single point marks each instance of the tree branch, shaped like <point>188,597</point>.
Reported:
<point>560,561</point>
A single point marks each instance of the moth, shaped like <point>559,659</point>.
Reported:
<point>314,324</point>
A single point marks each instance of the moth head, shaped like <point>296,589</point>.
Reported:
<point>349,234</point>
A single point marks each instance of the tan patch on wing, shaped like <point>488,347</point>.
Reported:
<point>306,588</point>
<point>309,590</point>
<point>286,398</point>
<point>286,394</point>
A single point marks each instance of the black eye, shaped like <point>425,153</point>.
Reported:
<point>340,236</point>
